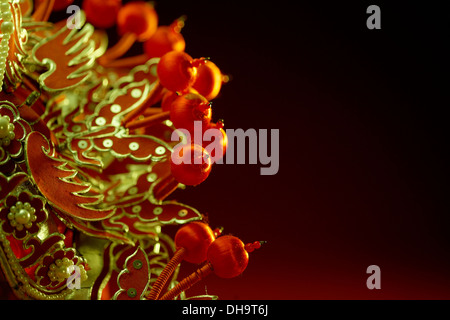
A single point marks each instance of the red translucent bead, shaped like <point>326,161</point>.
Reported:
<point>250,247</point>
<point>188,108</point>
<point>194,164</point>
<point>102,13</point>
<point>167,100</point>
<point>227,256</point>
<point>218,231</point>
<point>195,238</point>
<point>209,80</point>
<point>137,17</point>
<point>165,39</point>
<point>62,4</point>
<point>176,71</point>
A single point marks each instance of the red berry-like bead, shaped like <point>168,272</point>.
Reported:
<point>188,108</point>
<point>250,247</point>
<point>195,238</point>
<point>167,100</point>
<point>165,39</point>
<point>256,244</point>
<point>209,80</point>
<point>61,4</point>
<point>102,13</point>
<point>228,256</point>
<point>176,71</point>
<point>190,164</point>
<point>137,17</point>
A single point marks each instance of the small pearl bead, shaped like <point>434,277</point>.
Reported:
<point>7,16</point>
<point>23,216</point>
<point>4,6</point>
<point>4,126</point>
<point>7,27</point>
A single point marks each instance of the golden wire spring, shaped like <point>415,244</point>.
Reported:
<point>188,282</point>
<point>160,282</point>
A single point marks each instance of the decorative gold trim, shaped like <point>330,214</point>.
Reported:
<point>125,270</point>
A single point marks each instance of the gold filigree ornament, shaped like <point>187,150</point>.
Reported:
<point>84,186</point>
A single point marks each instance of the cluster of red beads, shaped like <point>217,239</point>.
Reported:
<point>227,254</point>
<point>250,247</point>
<point>177,73</point>
<point>137,17</point>
<point>195,238</point>
<point>189,84</point>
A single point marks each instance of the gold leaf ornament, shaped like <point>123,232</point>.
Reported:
<point>69,56</point>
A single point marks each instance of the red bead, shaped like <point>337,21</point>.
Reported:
<point>218,231</point>
<point>165,39</point>
<point>167,100</point>
<point>209,80</point>
<point>249,247</point>
<point>188,108</point>
<point>195,164</point>
<point>227,256</point>
<point>195,237</point>
<point>138,17</point>
<point>61,4</point>
<point>102,13</point>
<point>176,71</point>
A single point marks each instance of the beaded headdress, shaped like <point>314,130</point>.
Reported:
<point>86,171</point>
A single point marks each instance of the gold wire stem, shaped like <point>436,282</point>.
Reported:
<point>148,121</point>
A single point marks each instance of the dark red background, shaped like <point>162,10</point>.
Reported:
<point>363,179</point>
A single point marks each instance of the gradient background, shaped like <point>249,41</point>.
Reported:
<point>363,179</point>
